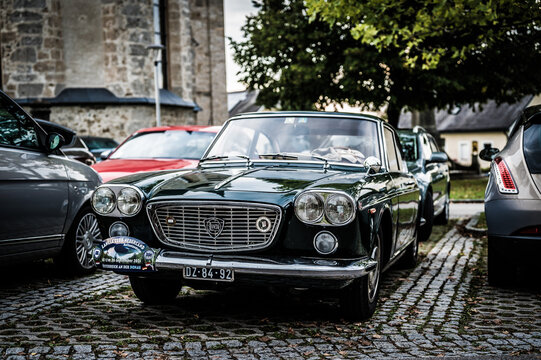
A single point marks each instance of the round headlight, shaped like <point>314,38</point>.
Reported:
<point>103,200</point>
<point>309,207</point>
<point>118,229</point>
<point>129,201</point>
<point>325,243</point>
<point>339,209</point>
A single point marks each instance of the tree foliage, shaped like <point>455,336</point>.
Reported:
<point>424,31</point>
<point>302,59</point>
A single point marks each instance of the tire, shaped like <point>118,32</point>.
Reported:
<point>443,218</point>
<point>428,215</point>
<point>359,299</point>
<point>155,291</point>
<point>501,271</point>
<point>76,255</point>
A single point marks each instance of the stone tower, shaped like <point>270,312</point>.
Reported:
<point>85,64</point>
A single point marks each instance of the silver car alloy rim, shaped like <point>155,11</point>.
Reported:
<point>373,276</point>
<point>87,232</point>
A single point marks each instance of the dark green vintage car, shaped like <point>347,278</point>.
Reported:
<point>294,199</point>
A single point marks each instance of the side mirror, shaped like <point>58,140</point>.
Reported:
<point>488,154</point>
<point>373,164</point>
<point>438,157</point>
<point>104,155</point>
<point>54,141</point>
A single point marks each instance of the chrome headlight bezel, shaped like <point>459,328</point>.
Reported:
<point>321,203</point>
<point>121,199</point>
<point>326,195</point>
<point>117,189</point>
<point>348,200</point>
<point>97,193</point>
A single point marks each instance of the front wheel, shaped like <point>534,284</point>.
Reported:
<point>76,254</point>
<point>155,291</point>
<point>428,215</point>
<point>443,218</point>
<point>359,299</point>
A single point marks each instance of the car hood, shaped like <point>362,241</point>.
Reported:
<point>265,184</point>
<point>114,168</point>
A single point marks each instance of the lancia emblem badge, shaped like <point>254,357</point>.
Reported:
<point>170,221</point>
<point>263,224</point>
<point>214,226</point>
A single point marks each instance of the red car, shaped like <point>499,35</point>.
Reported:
<point>157,148</point>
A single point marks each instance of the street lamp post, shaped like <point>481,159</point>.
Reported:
<point>156,51</point>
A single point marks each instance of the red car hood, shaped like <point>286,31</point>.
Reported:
<point>114,168</point>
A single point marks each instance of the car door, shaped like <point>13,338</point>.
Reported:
<point>438,175</point>
<point>33,186</point>
<point>406,191</point>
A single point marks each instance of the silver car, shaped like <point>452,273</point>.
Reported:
<point>513,201</point>
<point>44,208</point>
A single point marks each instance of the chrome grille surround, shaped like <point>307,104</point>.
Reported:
<point>187,224</point>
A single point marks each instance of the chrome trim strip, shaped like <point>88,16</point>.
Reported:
<point>151,208</point>
<point>32,239</point>
<point>288,267</point>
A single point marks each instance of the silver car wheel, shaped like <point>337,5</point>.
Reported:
<point>373,277</point>
<point>86,234</point>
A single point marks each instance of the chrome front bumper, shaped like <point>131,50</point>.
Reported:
<point>274,266</point>
<point>128,255</point>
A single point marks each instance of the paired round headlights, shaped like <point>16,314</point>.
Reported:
<point>128,201</point>
<point>337,208</point>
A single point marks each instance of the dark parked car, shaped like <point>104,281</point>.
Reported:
<point>429,166</point>
<point>98,145</point>
<point>513,201</point>
<point>299,199</point>
<point>77,150</point>
<point>45,208</point>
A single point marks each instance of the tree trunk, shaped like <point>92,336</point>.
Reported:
<point>393,113</point>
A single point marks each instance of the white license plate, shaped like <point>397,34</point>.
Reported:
<point>208,273</point>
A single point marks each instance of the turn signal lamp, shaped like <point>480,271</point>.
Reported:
<point>506,185</point>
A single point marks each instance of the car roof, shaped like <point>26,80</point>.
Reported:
<point>309,113</point>
<point>202,128</point>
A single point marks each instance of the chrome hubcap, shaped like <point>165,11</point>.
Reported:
<point>86,234</point>
<point>373,277</point>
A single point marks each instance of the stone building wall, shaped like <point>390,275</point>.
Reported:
<point>32,58</point>
<point>47,46</point>
<point>208,31</point>
<point>116,122</point>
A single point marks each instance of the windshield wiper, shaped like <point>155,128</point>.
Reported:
<point>214,157</point>
<point>279,156</point>
<point>326,164</point>
<point>221,157</point>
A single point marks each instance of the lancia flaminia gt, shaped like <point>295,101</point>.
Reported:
<point>293,199</point>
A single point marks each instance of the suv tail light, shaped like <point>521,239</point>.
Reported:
<point>506,185</point>
<point>532,230</point>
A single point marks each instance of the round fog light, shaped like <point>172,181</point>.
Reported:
<point>325,243</point>
<point>119,229</point>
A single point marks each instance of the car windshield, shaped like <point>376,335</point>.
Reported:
<point>409,146</point>
<point>171,144</point>
<point>298,138</point>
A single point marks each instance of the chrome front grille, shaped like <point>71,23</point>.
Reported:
<point>214,226</point>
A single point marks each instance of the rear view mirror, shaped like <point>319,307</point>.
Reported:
<point>104,155</point>
<point>438,157</point>
<point>488,154</point>
<point>373,164</point>
<point>54,141</point>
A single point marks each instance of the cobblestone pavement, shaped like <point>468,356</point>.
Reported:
<point>442,307</point>
<point>461,210</point>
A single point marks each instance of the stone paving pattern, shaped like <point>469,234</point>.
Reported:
<point>442,307</point>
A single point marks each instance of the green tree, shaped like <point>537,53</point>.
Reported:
<point>302,60</point>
